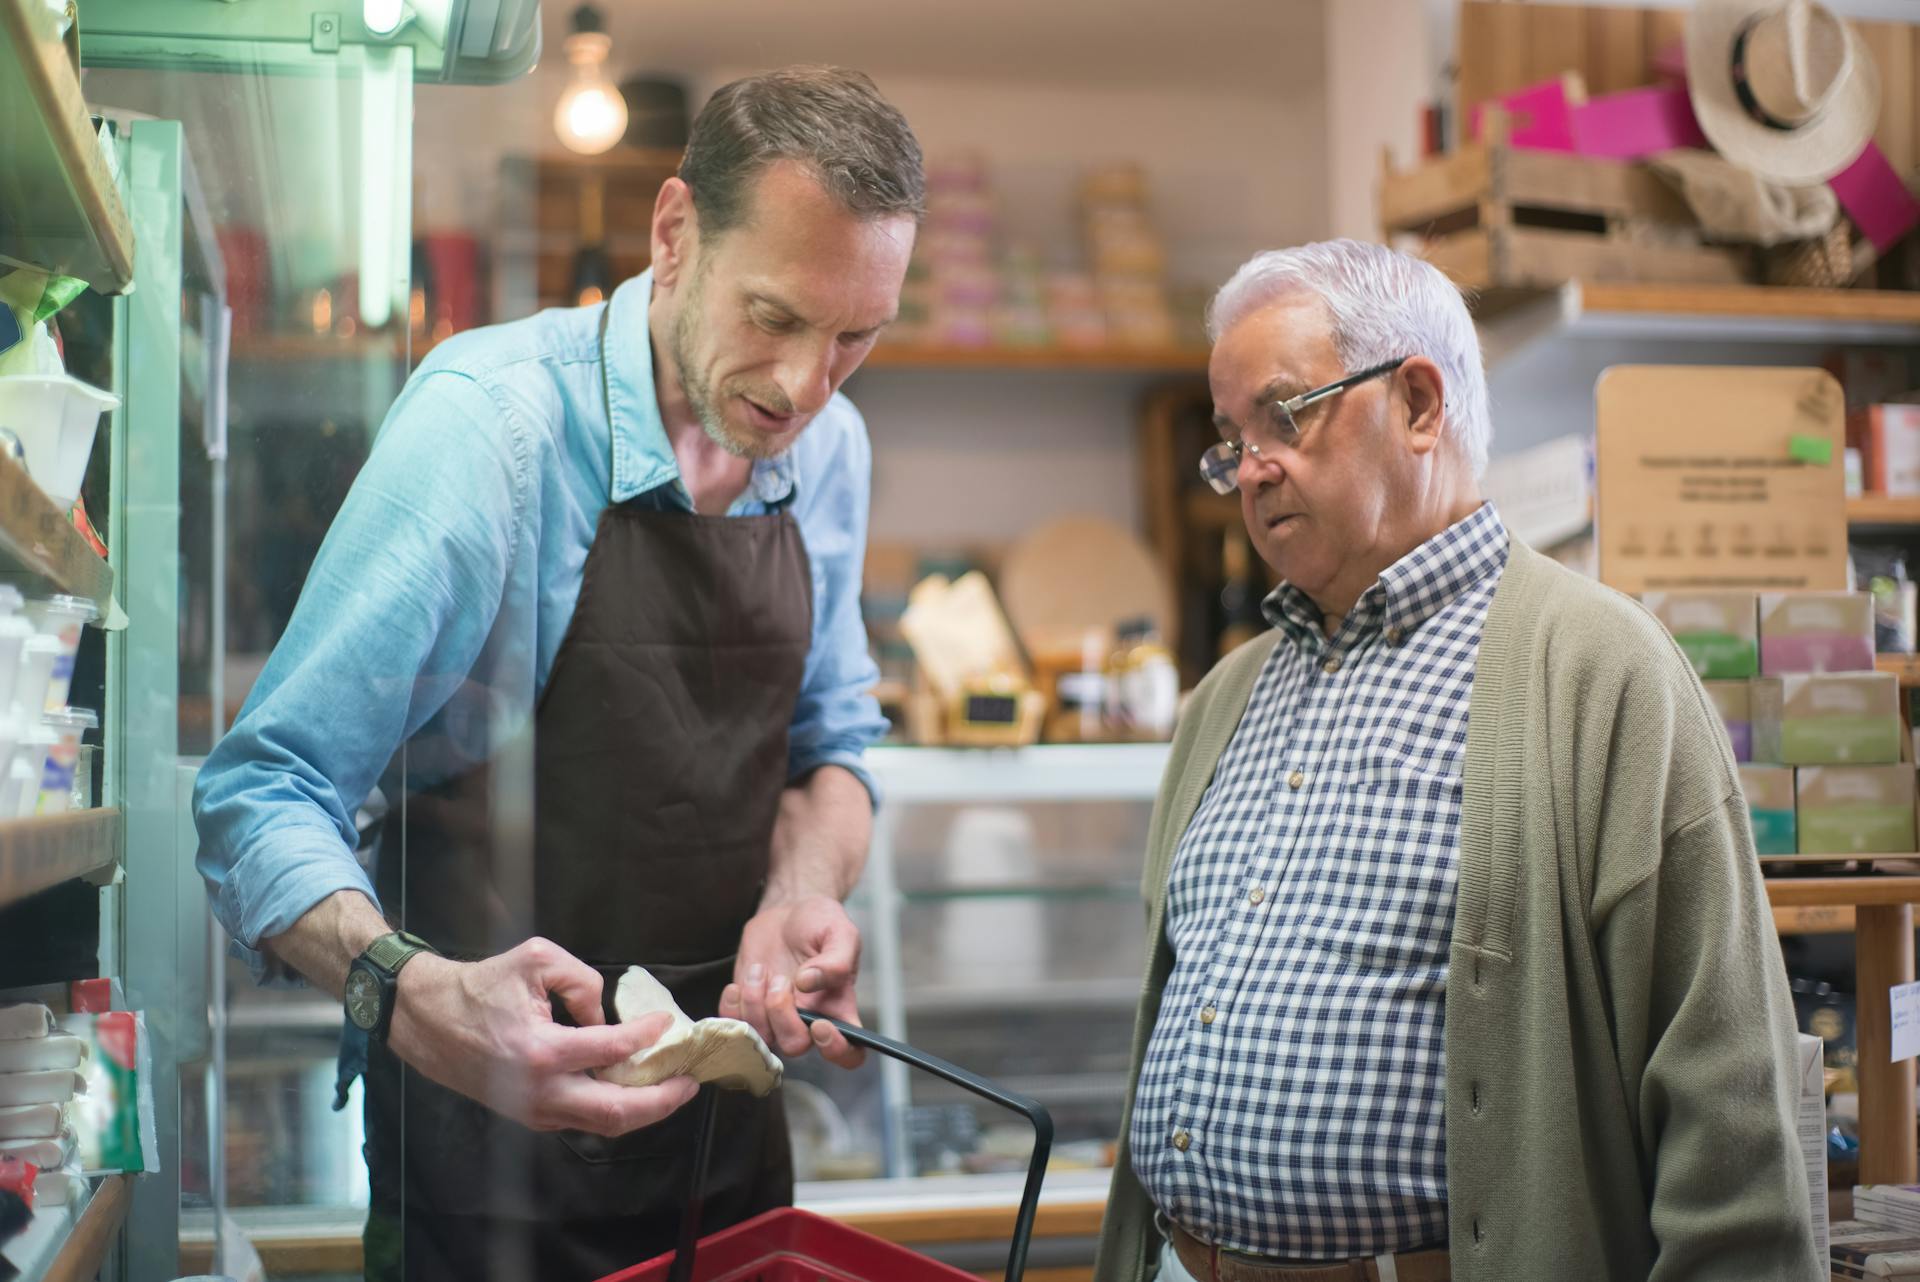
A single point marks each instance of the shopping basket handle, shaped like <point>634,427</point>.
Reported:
<point>1031,1109</point>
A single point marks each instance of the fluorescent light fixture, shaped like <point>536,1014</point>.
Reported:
<point>383,17</point>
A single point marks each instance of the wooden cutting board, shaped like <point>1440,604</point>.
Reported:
<point>1080,574</point>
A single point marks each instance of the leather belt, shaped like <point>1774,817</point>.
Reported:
<point>1212,1264</point>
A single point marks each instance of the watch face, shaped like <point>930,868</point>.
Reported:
<point>363,998</point>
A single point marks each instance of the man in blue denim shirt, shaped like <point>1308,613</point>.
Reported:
<point>590,620</point>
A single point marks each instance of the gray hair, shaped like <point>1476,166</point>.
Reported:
<point>829,119</point>
<point>1385,305</point>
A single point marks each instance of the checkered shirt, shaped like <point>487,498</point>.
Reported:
<point>1292,1101</point>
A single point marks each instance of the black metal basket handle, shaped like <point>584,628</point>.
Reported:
<point>1032,1110</point>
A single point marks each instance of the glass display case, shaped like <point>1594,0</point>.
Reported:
<point>1004,931</point>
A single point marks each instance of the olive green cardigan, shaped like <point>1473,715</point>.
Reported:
<point>1621,1083</point>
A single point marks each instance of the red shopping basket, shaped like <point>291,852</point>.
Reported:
<point>797,1246</point>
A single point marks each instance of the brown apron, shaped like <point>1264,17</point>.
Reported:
<point>659,753</point>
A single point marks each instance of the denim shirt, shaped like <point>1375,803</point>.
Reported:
<point>434,611</point>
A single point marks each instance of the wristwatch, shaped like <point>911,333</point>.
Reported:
<point>374,977</point>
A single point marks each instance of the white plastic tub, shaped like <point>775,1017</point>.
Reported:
<point>54,417</point>
<point>62,618</point>
<point>63,755</point>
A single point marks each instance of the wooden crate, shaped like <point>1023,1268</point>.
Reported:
<point>1495,216</point>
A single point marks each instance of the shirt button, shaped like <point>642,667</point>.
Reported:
<point>1181,1139</point>
<point>1207,1014</point>
<point>1255,895</point>
<point>1295,779</point>
<point>1331,666</point>
<point>1393,636</point>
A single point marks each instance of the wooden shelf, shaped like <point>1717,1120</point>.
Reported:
<point>1813,919</point>
<point>39,853</point>
<point>1141,360</point>
<point>41,544</point>
<point>60,210</point>
<point>1510,320</point>
<point>1837,892</point>
<point>1773,302</point>
<point>81,1255</point>
<point>1883,509</point>
<point>316,348</point>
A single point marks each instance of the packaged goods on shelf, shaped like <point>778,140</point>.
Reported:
<point>1769,792</point>
<point>1894,1206</point>
<point>32,1121</point>
<point>1834,718</point>
<point>1734,702</point>
<point>1856,810</point>
<point>1888,438</point>
<point>1811,1125</point>
<point>1882,573</point>
<point>27,1019</point>
<point>1860,1250</point>
<point>1718,631</point>
<point>114,1116</point>
<point>1816,632</point>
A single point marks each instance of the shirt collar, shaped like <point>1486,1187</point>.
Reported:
<point>1412,589</point>
<point>642,455</point>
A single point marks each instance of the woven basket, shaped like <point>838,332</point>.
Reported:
<point>1832,261</point>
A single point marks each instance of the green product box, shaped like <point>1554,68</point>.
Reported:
<point>1769,792</point>
<point>1827,719</point>
<point>1855,810</point>
<point>1733,700</point>
<point>1718,631</point>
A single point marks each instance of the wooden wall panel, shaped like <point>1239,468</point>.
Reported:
<point>1892,46</point>
<point>1493,52</point>
<point>1556,42</point>
<point>1616,50</point>
<point>1666,31</point>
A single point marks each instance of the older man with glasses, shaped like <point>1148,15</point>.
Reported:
<point>1460,962</point>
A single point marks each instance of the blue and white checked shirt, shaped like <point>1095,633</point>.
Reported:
<point>1292,1102</point>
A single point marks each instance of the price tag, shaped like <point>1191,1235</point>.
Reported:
<point>1906,1021</point>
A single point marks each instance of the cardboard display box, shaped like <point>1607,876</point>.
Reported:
<point>1718,631</point>
<point>1720,477</point>
<point>1769,793</point>
<point>1856,810</point>
<point>1827,719</point>
<point>1734,701</point>
<point>1816,632</point>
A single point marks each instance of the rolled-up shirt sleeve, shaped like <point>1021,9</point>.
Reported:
<point>397,607</point>
<point>837,716</point>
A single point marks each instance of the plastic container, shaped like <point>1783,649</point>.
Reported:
<point>54,416</point>
<point>29,767</point>
<point>62,618</point>
<point>83,798</point>
<point>15,630</point>
<point>63,758</point>
<point>37,657</point>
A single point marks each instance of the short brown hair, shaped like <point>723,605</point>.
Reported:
<point>829,119</point>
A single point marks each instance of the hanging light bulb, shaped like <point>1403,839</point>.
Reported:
<point>591,115</point>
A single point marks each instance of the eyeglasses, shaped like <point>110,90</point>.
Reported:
<point>1220,465</point>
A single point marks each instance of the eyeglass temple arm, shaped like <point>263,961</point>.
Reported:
<point>1305,399</point>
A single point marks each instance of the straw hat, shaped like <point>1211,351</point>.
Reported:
<point>1782,87</point>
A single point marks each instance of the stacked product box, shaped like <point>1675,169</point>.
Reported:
<point>1817,731</point>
